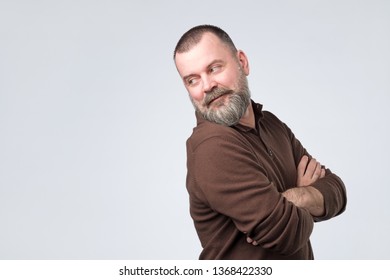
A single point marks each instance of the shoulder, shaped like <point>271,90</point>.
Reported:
<point>270,117</point>
<point>211,134</point>
<point>270,121</point>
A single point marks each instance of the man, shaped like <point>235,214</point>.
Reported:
<point>255,192</point>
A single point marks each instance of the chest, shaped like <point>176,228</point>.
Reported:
<point>274,152</point>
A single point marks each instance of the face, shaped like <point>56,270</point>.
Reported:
<point>215,79</point>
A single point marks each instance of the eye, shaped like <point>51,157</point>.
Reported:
<point>191,81</point>
<point>215,68</point>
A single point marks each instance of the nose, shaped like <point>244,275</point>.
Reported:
<point>208,84</point>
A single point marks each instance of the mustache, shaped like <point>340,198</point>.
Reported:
<point>215,93</point>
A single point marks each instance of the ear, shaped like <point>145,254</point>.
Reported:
<point>243,60</point>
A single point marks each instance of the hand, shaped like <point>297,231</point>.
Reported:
<point>306,197</point>
<point>309,172</point>
<point>251,241</point>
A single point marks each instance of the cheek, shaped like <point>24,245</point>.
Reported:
<point>235,77</point>
<point>228,80</point>
<point>196,95</point>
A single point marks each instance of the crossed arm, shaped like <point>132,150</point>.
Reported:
<point>304,195</point>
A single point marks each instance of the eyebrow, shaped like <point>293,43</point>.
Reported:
<point>208,66</point>
<point>185,78</point>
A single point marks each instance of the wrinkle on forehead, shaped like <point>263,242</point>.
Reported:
<point>210,48</point>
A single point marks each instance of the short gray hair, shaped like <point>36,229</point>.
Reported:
<point>195,34</point>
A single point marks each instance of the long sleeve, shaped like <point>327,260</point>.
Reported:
<point>334,193</point>
<point>331,186</point>
<point>230,177</point>
<point>235,180</point>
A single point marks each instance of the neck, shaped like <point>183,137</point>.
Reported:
<point>248,119</point>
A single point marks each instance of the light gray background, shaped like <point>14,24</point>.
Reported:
<point>94,119</point>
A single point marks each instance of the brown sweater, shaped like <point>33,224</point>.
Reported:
<point>235,179</point>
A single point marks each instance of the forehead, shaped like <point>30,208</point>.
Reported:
<point>209,49</point>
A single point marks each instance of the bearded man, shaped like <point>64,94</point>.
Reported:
<point>255,192</point>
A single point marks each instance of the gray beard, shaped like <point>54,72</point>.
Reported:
<point>230,114</point>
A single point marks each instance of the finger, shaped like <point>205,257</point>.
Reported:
<point>317,171</point>
<point>311,168</point>
<point>251,241</point>
<point>302,166</point>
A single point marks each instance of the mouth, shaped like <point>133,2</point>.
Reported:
<point>216,97</point>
